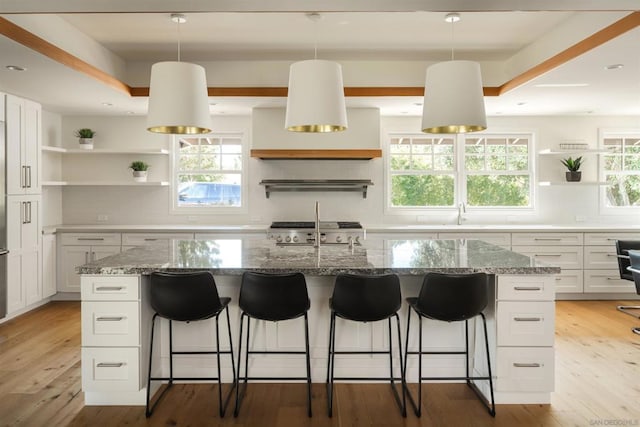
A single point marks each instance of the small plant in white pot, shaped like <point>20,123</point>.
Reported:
<point>139,169</point>
<point>85,138</point>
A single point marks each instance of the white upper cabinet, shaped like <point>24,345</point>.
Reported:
<point>24,134</point>
<point>363,132</point>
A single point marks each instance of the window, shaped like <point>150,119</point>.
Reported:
<point>491,171</point>
<point>621,169</point>
<point>208,172</point>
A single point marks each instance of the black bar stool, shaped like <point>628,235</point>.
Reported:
<point>451,298</point>
<point>187,297</point>
<point>272,297</point>
<point>365,298</point>
<point>622,250</point>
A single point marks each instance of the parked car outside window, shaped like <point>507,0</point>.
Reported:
<point>210,193</point>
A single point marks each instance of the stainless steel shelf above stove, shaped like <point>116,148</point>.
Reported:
<point>358,185</point>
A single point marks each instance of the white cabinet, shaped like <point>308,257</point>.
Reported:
<point>77,249</point>
<point>131,240</point>
<point>525,321</point>
<point>48,265</point>
<point>601,274</point>
<point>556,248</point>
<point>499,239</point>
<point>111,335</point>
<point>24,286</point>
<point>23,140</point>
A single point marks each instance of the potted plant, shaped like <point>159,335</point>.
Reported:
<point>85,138</point>
<point>139,169</point>
<point>573,168</point>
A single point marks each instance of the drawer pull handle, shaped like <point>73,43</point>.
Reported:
<point>109,288</point>
<point>527,319</point>
<point>558,279</point>
<point>612,255</point>
<point>528,288</point>
<point>549,255</point>
<point>110,319</point>
<point>527,365</point>
<point>612,278</point>
<point>548,239</point>
<point>150,240</point>
<point>110,365</point>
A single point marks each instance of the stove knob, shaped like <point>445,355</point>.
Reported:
<point>288,239</point>
<point>279,239</point>
<point>295,239</point>
<point>338,239</point>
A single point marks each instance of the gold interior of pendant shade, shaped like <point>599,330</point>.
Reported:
<point>179,130</point>
<point>317,128</point>
<point>454,129</point>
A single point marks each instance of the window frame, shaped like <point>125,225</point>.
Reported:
<point>460,174</point>
<point>210,210</point>
<point>604,133</point>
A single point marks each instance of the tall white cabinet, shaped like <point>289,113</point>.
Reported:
<point>23,202</point>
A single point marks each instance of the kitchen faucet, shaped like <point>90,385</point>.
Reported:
<point>316,243</point>
<point>462,209</point>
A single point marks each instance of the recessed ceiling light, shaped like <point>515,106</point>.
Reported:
<point>614,67</point>
<point>178,18</point>
<point>452,17</point>
<point>15,68</point>
<point>562,85</point>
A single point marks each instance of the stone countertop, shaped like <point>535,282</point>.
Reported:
<point>375,256</point>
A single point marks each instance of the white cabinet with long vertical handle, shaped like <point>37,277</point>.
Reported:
<point>24,134</point>
<point>24,280</point>
<point>76,249</point>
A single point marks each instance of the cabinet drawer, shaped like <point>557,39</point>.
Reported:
<point>600,257</point>
<point>93,239</point>
<point>546,239</point>
<point>569,281</point>
<point>525,369</point>
<point>608,281</point>
<point>608,239</point>
<point>529,323</point>
<point>108,323</point>
<point>500,239</point>
<point>526,287</point>
<point>562,256</point>
<point>110,369</point>
<point>109,288</point>
<point>141,239</point>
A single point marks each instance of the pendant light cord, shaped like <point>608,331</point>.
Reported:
<point>178,25</point>
<point>315,40</point>
<point>452,39</point>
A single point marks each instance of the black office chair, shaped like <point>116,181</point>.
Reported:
<point>451,298</point>
<point>272,297</point>
<point>365,298</point>
<point>187,297</point>
<point>622,250</point>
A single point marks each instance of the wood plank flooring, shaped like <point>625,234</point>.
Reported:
<point>597,383</point>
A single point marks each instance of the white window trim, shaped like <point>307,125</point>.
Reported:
<point>604,209</point>
<point>210,210</point>
<point>460,175</point>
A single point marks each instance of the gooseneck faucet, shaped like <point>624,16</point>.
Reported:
<point>462,209</point>
<point>316,243</point>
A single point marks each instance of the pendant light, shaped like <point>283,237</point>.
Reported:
<point>453,98</point>
<point>315,99</point>
<point>178,99</point>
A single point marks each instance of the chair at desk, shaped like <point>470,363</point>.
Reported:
<point>624,262</point>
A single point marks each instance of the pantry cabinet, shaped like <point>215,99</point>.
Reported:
<point>23,141</point>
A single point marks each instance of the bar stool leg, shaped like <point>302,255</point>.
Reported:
<point>332,354</point>
<point>148,410</point>
<point>492,410</point>
<point>466,353</point>
<point>403,380</point>
<point>308,357</point>
<point>220,407</point>
<point>233,366</point>
<point>236,411</point>
<point>170,354</point>
<point>419,411</point>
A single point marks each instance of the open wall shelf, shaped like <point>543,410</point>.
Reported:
<point>105,183</point>
<point>105,150</point>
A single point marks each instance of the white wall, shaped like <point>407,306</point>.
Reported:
<point>51,168</point>
<point>150,205</point>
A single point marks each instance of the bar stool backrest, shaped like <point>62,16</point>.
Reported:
<point>366,298</point>
<point>634,259</point>
<point>184,296</point>
<point>453,297</point>
<point>274,296</point>
<point>622,249</point>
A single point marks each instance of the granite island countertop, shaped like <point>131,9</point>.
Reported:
<point>375,256</point>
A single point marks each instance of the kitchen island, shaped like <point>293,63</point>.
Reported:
<point>116,315</point>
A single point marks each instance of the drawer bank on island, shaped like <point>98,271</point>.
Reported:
<point>520,314</point>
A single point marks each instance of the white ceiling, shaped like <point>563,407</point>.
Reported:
<point>406,38</point>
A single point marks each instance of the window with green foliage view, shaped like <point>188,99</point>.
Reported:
<point>487,171</point>
<point>621,168</point>
<point>208,171</point>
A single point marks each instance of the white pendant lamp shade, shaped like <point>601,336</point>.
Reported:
<point>178,102</point>
<point>453,98</point>
<point>315,101</point>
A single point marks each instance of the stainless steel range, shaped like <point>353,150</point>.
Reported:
<point>303,232</point>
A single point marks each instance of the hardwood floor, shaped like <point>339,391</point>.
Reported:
<point>597,383</point>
